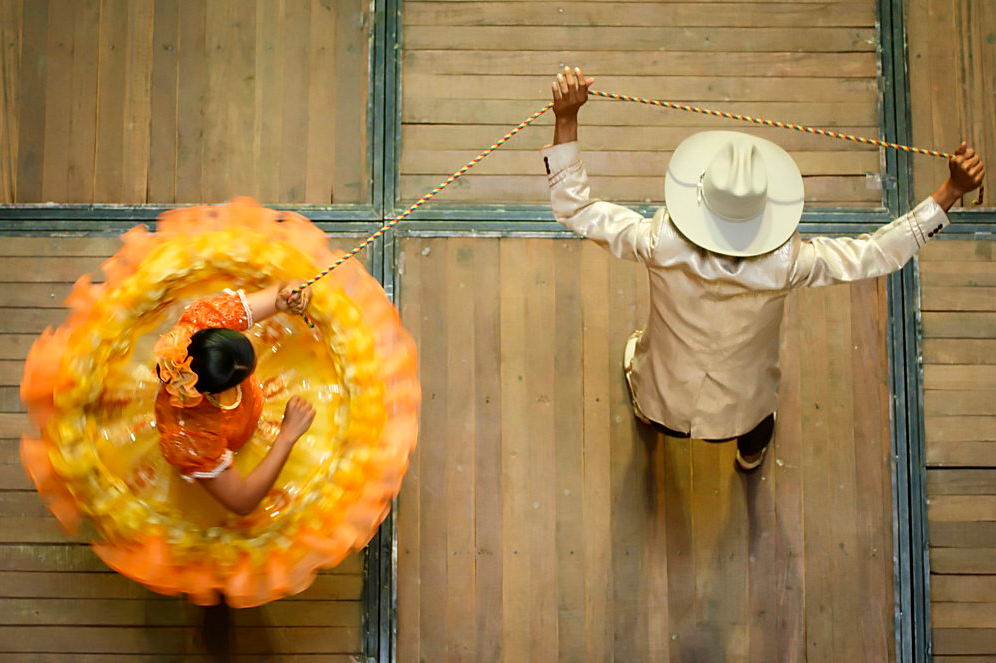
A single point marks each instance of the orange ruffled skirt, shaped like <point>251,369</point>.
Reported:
<point>90,387</point>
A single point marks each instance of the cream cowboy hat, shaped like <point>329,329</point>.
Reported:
<point>733,193</point>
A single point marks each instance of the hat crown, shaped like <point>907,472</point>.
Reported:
<point>734,185</point>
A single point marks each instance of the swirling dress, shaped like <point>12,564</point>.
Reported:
<point>110,453</point>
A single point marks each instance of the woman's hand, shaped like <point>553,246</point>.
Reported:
<point>298,416</point>
<point>290,300</point>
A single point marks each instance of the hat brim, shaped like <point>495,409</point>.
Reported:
<point>751,237</point>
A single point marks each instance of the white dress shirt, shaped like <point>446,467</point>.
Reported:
<point>707,362</point>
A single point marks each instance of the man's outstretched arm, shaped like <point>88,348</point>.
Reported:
<point>825,260</point>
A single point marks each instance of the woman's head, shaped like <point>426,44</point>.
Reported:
<point>221,358</point>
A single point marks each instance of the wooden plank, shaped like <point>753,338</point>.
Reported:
<point>507,188</point>
<point>618,164</point>
<point>350,184</point>
<point>11,371</point>
<point>955,454</point>
<point>191,92</point>
<point>676,62</point>
<point>471,136</point>
<point>75,557</point>
<point>977,589</point>
<point>136,142</point>
<point>618,14</point>
<point>517,508</point>
<point>961,482</point>
<point>487,455</point>
<point>58,93</point>
<point>413,290</point>
<point>41,295</point>
<point>31,101</point>
<point>959,351</point>
<point>868,558</point>
<point>459,455</point>
<point>939,430</point>
<point>964,640</point>
<point>568,400</point>
<point>321,145</point>
<point>725,88</point>
<point>35,657</point>
<point>963,560</point>
<point>80,162</point>
<point>946,298</point>
<point>47,247</point>
<point>955,252</point>
<point>597,579</point>
<point>164,102</point>
<point>511,112</point>
<point>269,102</point>
<point>962,615</point>
<point>11,16</point>
<point>28,531</point>
<point>959,377</point>
<point>786,457</point>
<point>962,507</point>
<point>220,35</point>
<point>818,571</point>
<point>294,132</point>
<point>136,612</point>
<point>13,424</point>
<point>175,640</point>
<point>14,347</point>
<point>538,283</point>
<point>957,272</point>
<point>47,269</point>
<point>110,585</point>
<point>963,534</point>
<point>678,38</point>
<point>433,623</point>
<point>10,400</point>
<point>112,67</point>
<point>239,105</point>
<point>31,320</point>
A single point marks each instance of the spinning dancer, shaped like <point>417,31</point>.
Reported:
<point>211,401</point>
<point>323,433</point>
<point>722,257</point>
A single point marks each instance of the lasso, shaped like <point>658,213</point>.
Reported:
<point>619,97</point>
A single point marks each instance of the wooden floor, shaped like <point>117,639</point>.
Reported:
<point>539,522</point>
<point>958,281</point>
<point>58,602</point>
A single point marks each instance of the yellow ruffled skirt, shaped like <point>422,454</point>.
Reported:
<point>90,387</point>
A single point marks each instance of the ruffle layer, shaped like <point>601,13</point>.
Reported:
<point>96,455</point>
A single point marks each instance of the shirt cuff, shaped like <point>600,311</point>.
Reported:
<point>927,219</point>
<point>223,464</point>
<point>558,158</point>
<point>245,304</point>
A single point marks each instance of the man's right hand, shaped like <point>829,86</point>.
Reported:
<point>966,174</point>
<point>570,92</point>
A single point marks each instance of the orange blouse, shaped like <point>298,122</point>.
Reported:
<point>198,437</point>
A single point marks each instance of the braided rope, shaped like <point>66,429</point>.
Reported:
<point>770,123</point>
<point>423,200</point>
<point>617,97</point>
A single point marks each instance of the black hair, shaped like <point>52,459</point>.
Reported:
<point>221,358</point>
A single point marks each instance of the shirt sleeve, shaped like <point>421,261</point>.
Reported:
<point>623,232</point>
<point>197,454</point>
<point>227,311</point>
<point>826,260</point>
